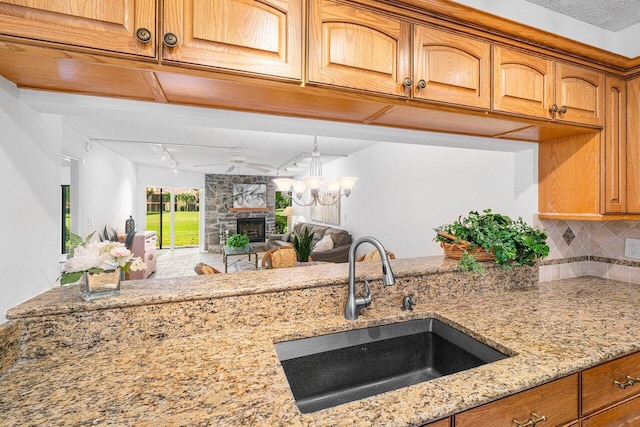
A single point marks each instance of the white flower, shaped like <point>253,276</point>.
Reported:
<point>83,259</point>
<point>137,264</point>
<point>105,255</point>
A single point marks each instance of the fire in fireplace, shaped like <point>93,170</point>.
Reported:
<point>254,228</point>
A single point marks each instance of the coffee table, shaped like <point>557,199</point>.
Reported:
<point>238,252</point>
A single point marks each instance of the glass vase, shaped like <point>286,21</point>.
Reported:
<point>100,285</point>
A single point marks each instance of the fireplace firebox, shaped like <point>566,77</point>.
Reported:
<point>254,228</point>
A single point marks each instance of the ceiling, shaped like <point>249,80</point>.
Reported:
<point>196,136</point>
<point>611,15</point>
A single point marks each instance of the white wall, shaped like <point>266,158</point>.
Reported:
<point>107,184</point>
<point>30,217</point>
<point>405,191</point>
<point>31,145</point>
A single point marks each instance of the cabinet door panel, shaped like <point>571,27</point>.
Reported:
<point>598,387</point>
<point>441,423</point>
<point>558,401</point>
<point>456,69</point>
<point>523,84</point>
<point>615,149</point>
<point>355,48</point>
<point>625,415</point>
<point>633,146</point>
<point>582,92</point>
<point>242,35</point>
<point>98,24</point>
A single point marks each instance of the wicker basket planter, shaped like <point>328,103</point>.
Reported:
<point>455,250</point>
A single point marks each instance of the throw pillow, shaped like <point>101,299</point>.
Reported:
<point>286,236</point>
<point>324,244</point>
<point>340,237</point>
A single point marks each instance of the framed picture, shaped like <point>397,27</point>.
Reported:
<point>249,195</point>
<point>329,214</point>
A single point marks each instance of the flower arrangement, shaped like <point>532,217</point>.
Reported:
<point>97,257</point>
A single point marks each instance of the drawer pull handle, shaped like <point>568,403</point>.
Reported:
<point>628,383</point>
<point>531,422</point>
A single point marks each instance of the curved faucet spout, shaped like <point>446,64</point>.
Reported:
<point>355,303</point>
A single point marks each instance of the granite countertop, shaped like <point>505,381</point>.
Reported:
<point>233,376</point>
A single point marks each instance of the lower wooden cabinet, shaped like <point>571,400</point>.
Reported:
<point>556,401</point>
<point>441,423</point>
<point>611,382</point>
<point>626,414</point>
<point>609,394</point>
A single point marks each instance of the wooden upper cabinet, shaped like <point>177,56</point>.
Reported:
<point>581,91</point>
<point>522,83</point>
<point>539,87</point>
<point>615,146</point>
<point>633,146</point>
<point>261,37</point>
<point>451,68</point>
<point>352,47</point>
<point>97,24</point>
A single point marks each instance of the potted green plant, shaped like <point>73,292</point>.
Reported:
<point>302,244</point>
<point>492,236</point>
<point>238,241</point>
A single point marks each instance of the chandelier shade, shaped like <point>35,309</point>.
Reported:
<point>322,192</point>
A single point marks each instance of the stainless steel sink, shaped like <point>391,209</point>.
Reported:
<point>329,370</point>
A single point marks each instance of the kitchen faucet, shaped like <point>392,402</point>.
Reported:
<point>355,303</point>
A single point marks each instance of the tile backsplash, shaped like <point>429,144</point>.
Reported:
<point>590,248</point>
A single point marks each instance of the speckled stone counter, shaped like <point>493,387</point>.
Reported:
<point>231,375</point>
<point>9,334</point>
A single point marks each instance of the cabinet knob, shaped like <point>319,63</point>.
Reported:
<point>553,108</point>
<point>407,82</point>
<point>562,109</point>
<point>143,35</point>
<point>170,39</point>
<point>421,84</point>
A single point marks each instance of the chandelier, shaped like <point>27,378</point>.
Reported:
<point>322,192</point>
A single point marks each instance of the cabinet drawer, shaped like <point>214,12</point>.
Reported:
<point>627,414</point>
<point>441,423</point>
<point>598,387</point>
<point>557,401</point>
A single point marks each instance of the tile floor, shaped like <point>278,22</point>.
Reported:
<point>180,262</point>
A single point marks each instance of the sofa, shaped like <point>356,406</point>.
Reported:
<point>329,244</point>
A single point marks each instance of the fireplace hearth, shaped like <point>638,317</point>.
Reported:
<point>254,228</point>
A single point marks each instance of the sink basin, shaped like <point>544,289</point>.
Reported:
<point>329,370</point>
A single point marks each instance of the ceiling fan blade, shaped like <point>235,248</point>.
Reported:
<point>230,169</point>
<point>209,164</point>
<point>263,165</point>
<point>257,167</point>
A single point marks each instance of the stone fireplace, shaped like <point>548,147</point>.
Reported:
<point>221,218</point>
<point>254,228</point>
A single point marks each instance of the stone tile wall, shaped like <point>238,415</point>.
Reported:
<point>590,248</point>
<point>219,199</point>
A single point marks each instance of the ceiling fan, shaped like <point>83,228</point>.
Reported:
<point>238,160</point>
